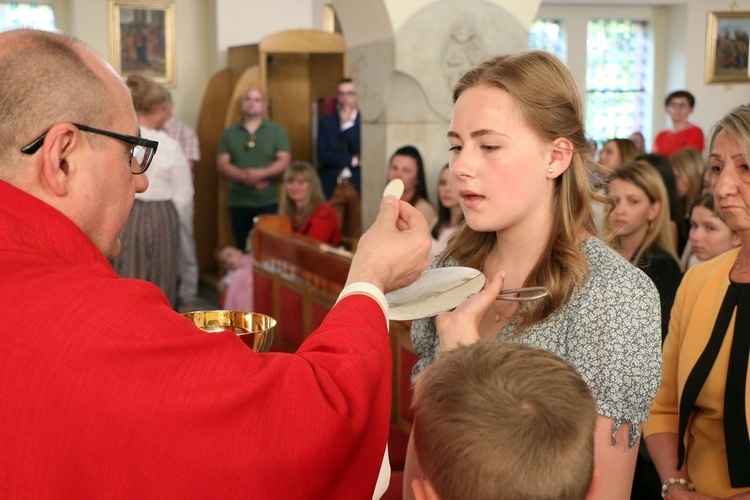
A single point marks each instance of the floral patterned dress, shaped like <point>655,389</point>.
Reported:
<point>609,330</point>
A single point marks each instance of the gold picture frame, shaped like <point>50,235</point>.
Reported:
<point>142,39</point>
<point>727,47</point>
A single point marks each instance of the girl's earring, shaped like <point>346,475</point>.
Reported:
<point>550,170</point>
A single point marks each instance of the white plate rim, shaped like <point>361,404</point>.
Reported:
<point>423,300</point>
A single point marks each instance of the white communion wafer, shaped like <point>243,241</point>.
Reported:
<point>395,187</point>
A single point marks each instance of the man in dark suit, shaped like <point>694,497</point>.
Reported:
<point>339,158</point>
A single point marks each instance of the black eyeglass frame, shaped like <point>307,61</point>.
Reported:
<point>34,145</point>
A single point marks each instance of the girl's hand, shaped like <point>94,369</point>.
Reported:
<point>461,325</point>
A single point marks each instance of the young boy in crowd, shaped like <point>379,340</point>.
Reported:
<point>236,287</point>
<point>503,421</point>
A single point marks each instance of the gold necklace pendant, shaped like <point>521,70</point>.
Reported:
<point>250,142</point>
<point>510,316</point>
<point>499,316</point>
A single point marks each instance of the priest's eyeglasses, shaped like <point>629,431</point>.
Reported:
<point>140,155</point>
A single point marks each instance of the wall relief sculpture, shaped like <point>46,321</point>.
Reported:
<point>438,43</point>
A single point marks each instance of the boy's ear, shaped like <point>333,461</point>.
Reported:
<point>423,490</point>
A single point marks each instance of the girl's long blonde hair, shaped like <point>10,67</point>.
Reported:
<point>548,100</point>
<point>645,177</point>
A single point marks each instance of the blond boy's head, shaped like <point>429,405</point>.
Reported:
<point>503,421</point>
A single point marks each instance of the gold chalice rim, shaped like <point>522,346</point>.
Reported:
<point>253,328</point>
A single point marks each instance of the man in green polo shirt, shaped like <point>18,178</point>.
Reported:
<point>253,155</point>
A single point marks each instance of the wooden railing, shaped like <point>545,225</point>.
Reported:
<point>297,281</point>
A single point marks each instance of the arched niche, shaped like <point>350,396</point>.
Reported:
<point>298,69</point>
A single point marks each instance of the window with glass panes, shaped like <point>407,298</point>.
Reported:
<point>547,35</point>
<point>26,15</point>
<point>617,71</point>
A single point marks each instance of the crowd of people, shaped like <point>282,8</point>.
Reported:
<point>629,378</point>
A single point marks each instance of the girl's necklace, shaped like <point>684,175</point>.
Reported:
<point>499,315</point>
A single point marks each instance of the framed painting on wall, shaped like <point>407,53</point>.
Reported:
<point>727,47</point>
<point>142,39</point>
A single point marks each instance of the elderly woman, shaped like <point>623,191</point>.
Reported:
<point>697,434</point>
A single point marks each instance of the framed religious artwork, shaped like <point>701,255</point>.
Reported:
<point>727,47</point>
<point>142,39</point>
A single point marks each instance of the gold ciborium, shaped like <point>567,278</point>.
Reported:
<point>254,329</point>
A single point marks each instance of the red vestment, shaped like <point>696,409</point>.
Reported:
<point>105,392</point>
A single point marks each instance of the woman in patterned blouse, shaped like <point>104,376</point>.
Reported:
<point>518,162</point>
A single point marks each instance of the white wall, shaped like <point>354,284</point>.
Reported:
<point>400,10</point>
<point>206,28</point>
<point>89,20</point>
<point>204,31</point>
<point>243,22</point>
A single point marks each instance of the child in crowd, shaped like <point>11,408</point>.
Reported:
<point>236,287</point>
<point>449,215</point>
<point>678,222</point>
<point>639,141</point>
<point>688,167</point>
<point>407,164</point>
<point>613,155</point>
<point>617,151</point>
<point>503,421</point>
<point>640,222</point>
<point>709,234</point>
<point>683,134</point>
